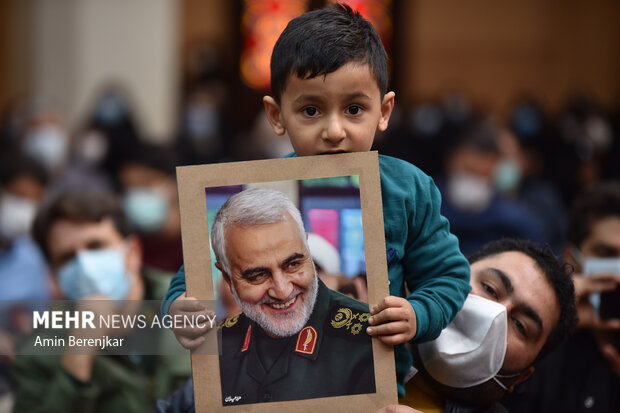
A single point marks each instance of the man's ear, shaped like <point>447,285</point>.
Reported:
<point>224,273</point>
<point>386,111</point>
<point>274,115</point>
<point>523,377</point>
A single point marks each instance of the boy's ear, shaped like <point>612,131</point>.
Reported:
<point>274,115</point>
<point>386,110</point>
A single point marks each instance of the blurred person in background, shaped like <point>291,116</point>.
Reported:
<point>23,271</point>
<point>204,135</point>
<point>418,136</point>
<point>580,152</point>
<point>476,211</point>
<point>584,374</point>
<point>45,136</point>
<point>93,255</point>
<point>260,141</point>
<point>110,132</point>
<point>146,178</point>
<point>519,175</point>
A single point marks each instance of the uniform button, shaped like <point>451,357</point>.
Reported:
<point>589,402</point>
<point>267,397</point>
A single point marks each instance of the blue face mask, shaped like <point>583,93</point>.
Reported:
<point>95,272</point>
<point>507,176</point>
<point>147,208</point>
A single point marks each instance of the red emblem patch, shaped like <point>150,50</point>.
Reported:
<point>246,342</point>
<point>306,340</point>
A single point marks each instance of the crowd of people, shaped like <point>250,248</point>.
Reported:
<point>515,193</point>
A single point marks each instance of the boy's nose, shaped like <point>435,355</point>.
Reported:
<point>334,130</point>
<point>281,287</point>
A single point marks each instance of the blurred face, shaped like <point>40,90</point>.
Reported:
<point>67,238</point>
<point>604,239</point>
<point>272,275</point>
<point>338,112</point>
<point>513,280</point>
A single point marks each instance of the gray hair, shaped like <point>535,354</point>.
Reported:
<point>254,206</point>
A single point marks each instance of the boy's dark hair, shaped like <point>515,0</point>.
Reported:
<point>78,207</point>
<point>594,204</point>
<point>321,41</point>
<point>558,276</point>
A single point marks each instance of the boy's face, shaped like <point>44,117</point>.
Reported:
<point>339,112</point>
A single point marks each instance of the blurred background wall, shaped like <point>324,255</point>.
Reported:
<point>492,52</point>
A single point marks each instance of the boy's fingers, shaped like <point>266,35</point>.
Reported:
<point>388,329</point>
<point>191,343</point>
<point>389,314</point>
<point>187,305</point>
<point>393,340</point>
<point>389,301</point>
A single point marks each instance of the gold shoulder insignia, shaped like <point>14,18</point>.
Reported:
<point>351,321</point>
<point>231,321</point>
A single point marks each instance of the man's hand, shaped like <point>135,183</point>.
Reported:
<point>397,408</point>
<point>584,286</point>
<point>613,357</point>
<point>190,337</point>
<point>393,321</point>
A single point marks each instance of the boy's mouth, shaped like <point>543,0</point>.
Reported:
<point>333,152</point>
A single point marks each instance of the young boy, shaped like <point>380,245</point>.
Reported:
<point>329,80</point>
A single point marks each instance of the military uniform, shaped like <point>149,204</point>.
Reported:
<point>330,356</point>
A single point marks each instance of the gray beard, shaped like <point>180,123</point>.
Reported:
<point>281,326</point>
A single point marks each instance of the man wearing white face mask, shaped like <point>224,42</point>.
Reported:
<point>478,214</point>
<point>93,256</point>
<point>584,374</point>
<point>521,307</point>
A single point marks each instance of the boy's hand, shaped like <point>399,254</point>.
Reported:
<point>393,321</point>
<point>190,337</point>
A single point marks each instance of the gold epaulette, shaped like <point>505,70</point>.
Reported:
<point>349,320</point>
<point>231,321</point>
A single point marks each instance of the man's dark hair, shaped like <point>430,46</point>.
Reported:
<point>321,41</point>
<point>15,165</point>
<point>78,207</point>
<point>558,276</point>
<point>593,204</point>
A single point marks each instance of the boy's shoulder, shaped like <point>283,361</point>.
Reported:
<point>397,172</point>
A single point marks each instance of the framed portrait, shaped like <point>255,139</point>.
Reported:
<point>291,294</point>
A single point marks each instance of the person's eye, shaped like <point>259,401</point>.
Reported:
<point>294,265</point>
<point>354,110</point>
<point>310,111</point>
<point>519,325</point>
<point>258,277</point>
<point>490,291</point>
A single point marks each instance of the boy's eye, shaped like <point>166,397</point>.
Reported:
<point>354,110</point>
<point>310,111</point>
<point>490,291</point>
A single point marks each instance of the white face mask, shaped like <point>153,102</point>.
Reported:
<point>471,349</point>
<point>48,145</point>
<point>16,216</point>
<point>469,193</point>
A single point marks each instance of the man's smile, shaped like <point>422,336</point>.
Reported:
<point>285,305</point>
